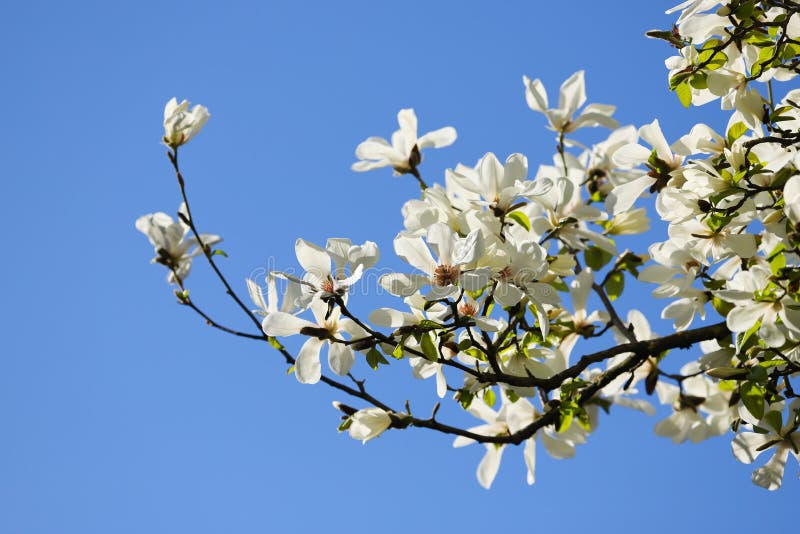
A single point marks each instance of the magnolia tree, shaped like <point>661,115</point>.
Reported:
<point>496,302</point>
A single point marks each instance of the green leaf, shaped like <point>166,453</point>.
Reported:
<point>684,92</point>
<point>736,131</point>
<point>464,398</point>
<point>345,424</point>
<point>777,263</point>
<point>464,344</point>
<point>290,370</point>
<point>596,257</point>
<point>615,284</point>
<point>717,60</point>
<point>583,420</point>
<point>511,395</point>
<point>521,219</point>
<point>758,374</point>
<point>753,398</point>
<point>427,324</point>
<point>375,358</point>
<point>398,350</point>
<point>428,348</point>
<point>219,252</point>
<point>774,419</point>
<point>678,79</point>
<point>699,81</point>
<point>747,335</point>
<point>565,421</point>
<point>489,397</point>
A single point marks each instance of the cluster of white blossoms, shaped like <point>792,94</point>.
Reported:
<point>511,267</point>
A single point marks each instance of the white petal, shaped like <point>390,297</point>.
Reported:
<point>284,324</point>
<point>413,250</point>
<point>403,285</point>
<point>438,138</point>
<point>770,475</point>
<point>315,260</point>
<point>557,448</point>
<point>535,94</point>
<point>623,196</point>
<point>529,453</point>
<point>572,94</point>
<point>653,135</point>
<point>489,465</point>
<point>307,368</point>
<point>631,155</point>
<point>390,318</point>
<point>742,318</point>
<point>340,358</point>
<point>745,446</point>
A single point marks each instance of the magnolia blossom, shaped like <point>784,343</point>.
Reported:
<point>571,96</point>
<point>174,243</point>
<point>326,272</point>
<point>324,331</point>
<point>455,254</point>
<point>698,395</point>
<point>663,164</point>
<point>782,439</point>
<point>756,301</point>
<point>501,186</point>
<point>368,424</point>
<point>181,124</point>
<point>403,153</point>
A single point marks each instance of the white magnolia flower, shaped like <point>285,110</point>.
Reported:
<point>784,439</point>
<point>403,154</point>
<point>698,396</point>
<point>291,296</point>
<point>663,164</point>
<point>601,170</point>
<point>518,267</point>
<point>181,124</point>
<point>368,424</point>
<point>502,187</point>
<point>326,270</point>
<point>174,245</point>
<point>322,332</point>
<point>571,96</point>
<point>454,252</point>
<point>756,300</point>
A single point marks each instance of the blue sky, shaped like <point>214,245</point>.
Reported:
<point>121,412</point>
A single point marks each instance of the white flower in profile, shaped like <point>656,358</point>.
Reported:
<point>571,96</point>
<point>174,247</point>
<point>661,160</point>
<point>403,153</point>
<point>784,439</point>
<point>698,394</point>
<point>181,124</point>
<point>324,331</point>
<point>291,296</point>
<point>368,424</point>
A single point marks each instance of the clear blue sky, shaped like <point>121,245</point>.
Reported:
<point>120,412</point>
